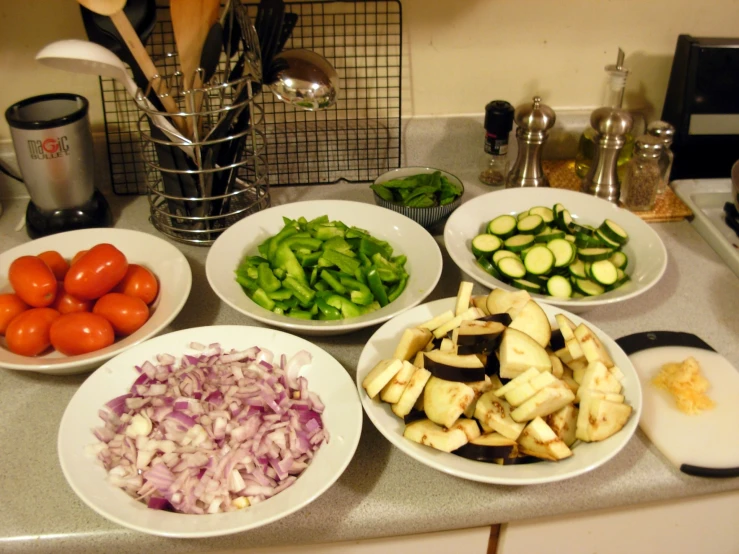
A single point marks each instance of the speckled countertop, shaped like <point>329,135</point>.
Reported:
<point>383,492</point>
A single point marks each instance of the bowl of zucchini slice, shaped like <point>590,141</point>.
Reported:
<point>566,248</point>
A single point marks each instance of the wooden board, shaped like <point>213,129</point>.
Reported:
<point>705,444</point>
<point>669,207</point>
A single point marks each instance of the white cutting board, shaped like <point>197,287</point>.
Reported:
<point>706,444</point>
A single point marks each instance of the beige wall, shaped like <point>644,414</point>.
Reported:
<point>459,54</point>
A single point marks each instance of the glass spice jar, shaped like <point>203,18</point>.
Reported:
<point>642,177</point>
<point>665,132</point>
<point>498,125</point>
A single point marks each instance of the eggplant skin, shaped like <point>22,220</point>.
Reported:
<point>484,453</point>
<point>504,318</point>
<point>452,373</point>
<point>492,366</point>
<point>414,415</point>
<point>557,342</point>
<point>478,347</point>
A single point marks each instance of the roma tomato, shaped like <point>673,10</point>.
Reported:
<point>77,256</point>
<point>80,333</point>
<point>98,270</point>
<point>10,306</point>
<point>56,263</point>
<point>139,282</point>
<point>33,281</point>
<point>125,313</point>
<point>65,303</point>
<point>28,334</point>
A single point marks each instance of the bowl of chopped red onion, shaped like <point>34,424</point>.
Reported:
<point>210,431</point>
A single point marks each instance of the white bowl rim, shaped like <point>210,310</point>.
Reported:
<point>573,303</point>
<point>492,473</point>
<point>325,327</point>
<point>62,364</point>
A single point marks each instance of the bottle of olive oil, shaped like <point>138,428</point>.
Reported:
<point>614,97</point>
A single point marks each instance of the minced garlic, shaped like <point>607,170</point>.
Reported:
<point>686,383</point>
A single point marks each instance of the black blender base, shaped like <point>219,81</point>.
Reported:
<point>95,213</point>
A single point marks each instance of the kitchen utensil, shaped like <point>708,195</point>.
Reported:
<point>191,23</point>
<point>231,30</point>
<point>270,14</point>
<point>165,260</point>
<point>611,126</point>
<point>702,444</point>
<point>79,56</point>
<point>288,25</point>
<point>735,184</point>
<point>101,30</point>
<point>325,376</point>
<point>533,123</point>
<point>308,80</point>
<point>585,457</point>
<point>404,235</point>
<point>114,10</point>
<point>53,147</point>
<point>645,250</point>
<point>211,52</point>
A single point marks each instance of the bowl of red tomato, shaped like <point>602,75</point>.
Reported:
<point>71,301</point>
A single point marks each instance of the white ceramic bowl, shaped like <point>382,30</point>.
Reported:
<point>342,418</point>
<point>404,235</point>
<point>161,257</point>
<point>646,252</point>
<point>586,457</point>
<point>427,217</point>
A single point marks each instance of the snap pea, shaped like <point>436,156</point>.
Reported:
<point>322,269</point>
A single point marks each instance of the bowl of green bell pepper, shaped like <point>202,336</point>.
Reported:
<point>324,267</point>
<point>425,194</point>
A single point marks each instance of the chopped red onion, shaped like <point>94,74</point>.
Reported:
<point>211,433</point>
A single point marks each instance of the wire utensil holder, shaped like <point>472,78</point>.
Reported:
<point>356,140</point>
<point>205,165</point>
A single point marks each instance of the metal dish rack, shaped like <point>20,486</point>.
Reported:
<point>356,140</point>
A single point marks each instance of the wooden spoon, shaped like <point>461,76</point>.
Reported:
<point>191,23</point>
<point>114,10</point>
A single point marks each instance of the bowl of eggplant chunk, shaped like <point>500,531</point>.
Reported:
<point>498,388</point>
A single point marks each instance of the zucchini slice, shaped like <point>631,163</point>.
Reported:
<point>614,231</point>
<point>511,268</point>
<point>577,269</point>
<point>489,267</point>
<point>546,213</point>
<point>564,220</point>
<point>563,250</point>
<point>485,245</point>
<point>502,226</point>
<point>518,243</point>
<point>588,287</point>
<point>539,260</point>
<point>594,254</point>
<point>619,259</point>
<point>500,254</point>
<point>521,215</point>
<point>528,286</point>
<point>532,224</point>
<point>605,241</point>
<point>604,273</point>
<point>559,287</point>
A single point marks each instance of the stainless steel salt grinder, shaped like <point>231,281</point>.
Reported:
<point>533,122</point>
<point>611,126</point>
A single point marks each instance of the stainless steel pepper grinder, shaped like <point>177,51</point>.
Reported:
<point>533,122</point>
<point>611,126</point>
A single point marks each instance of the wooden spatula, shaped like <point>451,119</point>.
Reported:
<point>191,22</point>
<point>114,10</point>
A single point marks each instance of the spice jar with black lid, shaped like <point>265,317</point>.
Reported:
<point>642,177</point>
<point>498,125</point>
